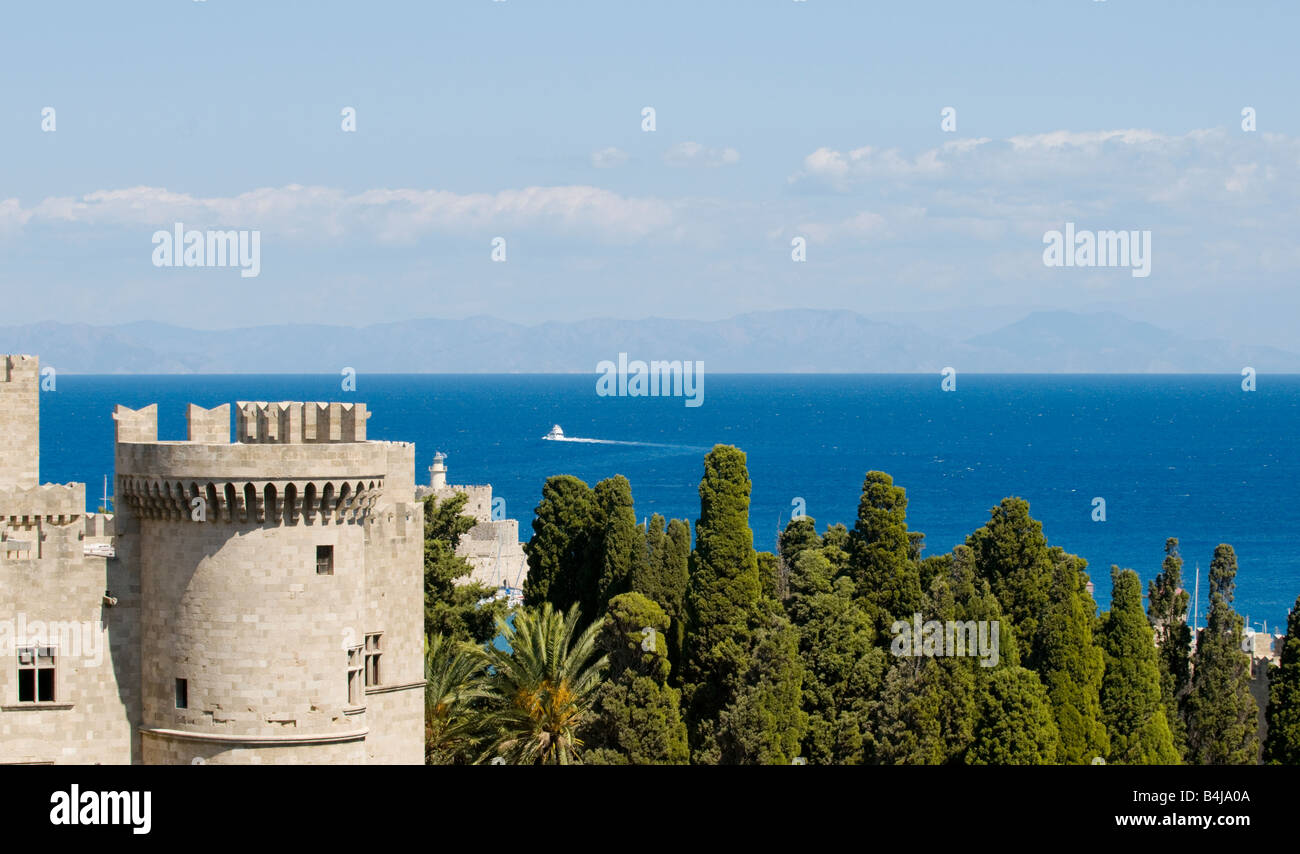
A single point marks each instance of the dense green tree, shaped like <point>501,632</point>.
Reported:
<point>1222,715</point>
<point>663,579</point>
<point>455,686</point>
<point>723,596</point>
<point>1012,553</point>
<point>1282,746</point>
<point>622,543</point>
<point>1071,664</point>
<point>929,706</point>
<point>800,534</point>
<point>880,554</point>
<point>637,716</point>
<point>1015,725</point>
<point>771,577</point>
<point>541,688</point>
<point>1131,706</point>
<point>565,557</point>
<point>460,611</point>
<point>842,664</point>
<point>764,723</point>
<point>1167,604</point>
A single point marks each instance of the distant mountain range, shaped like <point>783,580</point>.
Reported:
<point>791,341</point>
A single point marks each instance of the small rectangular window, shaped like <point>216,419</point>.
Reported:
<point>324,560</point>
<point>373,653</point>
<point>182,694</point>
<point>36,674</point>
<point>356,676</point>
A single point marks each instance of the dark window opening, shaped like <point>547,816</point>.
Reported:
<point>182,694</point>
<point>373,654</point>
<point>324,560</point>
<point>36,674</point>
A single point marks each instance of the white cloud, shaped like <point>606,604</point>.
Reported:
<point>608,158</point>
<point>694,154</point>
<point>383,214</point>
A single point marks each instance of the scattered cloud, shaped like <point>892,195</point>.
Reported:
<point>395,215</point>
<point>608,158</point>
<point>685,154</point>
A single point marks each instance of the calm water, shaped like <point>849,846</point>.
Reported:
<point>1186,456</point>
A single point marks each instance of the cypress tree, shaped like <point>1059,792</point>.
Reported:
<point>622,544</point>
<point>1012,553</point>
<point>842,663</point>
<point>1131,706</point>
<point>1222,716</point>
<point>1282,746</point>
<point>1015,725</point>
<point>663,577</point>
<point>723,596</point>
<point>1167,604</point>
<point>637,714</point>
<point>1071,664</point>
<point>764,723</point>
<point>880,554</point>
<point>564,556</point>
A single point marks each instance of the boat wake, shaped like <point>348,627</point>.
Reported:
<point>557,435</point>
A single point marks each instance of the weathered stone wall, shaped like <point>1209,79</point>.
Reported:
<point>59,599</point>
<point>20,423</point>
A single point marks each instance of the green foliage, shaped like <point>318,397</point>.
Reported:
<point>1283,744</point>
<point>1131,706</point>
<point>664,576</point>
<point>842,664</point>
<point>1071,665</point>
<point>565,560</point>
<point>453,609</point>
<point>1012,553</point>
<point>1222,715</point>
<point>1014,724</point>
<point>723,594</point>
<point>764,723</point>
<point>637,717</point>
<point>622,543</point>
<point>881,560</point>
<point>1167,604</point>
<point>929,706</point>
<point>455,686</point>
<point>541,690</point>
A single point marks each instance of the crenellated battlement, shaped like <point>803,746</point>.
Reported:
<point>56,502</point>
<point>292,422</point>
<point>20,368</point>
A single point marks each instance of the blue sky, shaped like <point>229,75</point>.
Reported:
<point>774,119</point>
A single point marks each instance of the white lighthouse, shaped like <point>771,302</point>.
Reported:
<point>438,471</point>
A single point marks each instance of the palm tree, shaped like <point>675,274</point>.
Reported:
<point>455,686</point>
<point>542,687</point>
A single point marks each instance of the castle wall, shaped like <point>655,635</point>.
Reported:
<point>209,574</point>
<point>56,596</point>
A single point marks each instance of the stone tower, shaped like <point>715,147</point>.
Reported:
<point>280,586</point>
<point>20,422</point>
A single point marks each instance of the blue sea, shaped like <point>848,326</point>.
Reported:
<point>1188,456</point>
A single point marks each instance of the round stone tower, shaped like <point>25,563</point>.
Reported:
<point>280,586</point>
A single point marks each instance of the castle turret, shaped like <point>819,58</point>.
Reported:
<point>20,447</point>
<point>281,586</point>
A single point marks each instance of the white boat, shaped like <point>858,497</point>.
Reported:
<point>556,433</point>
